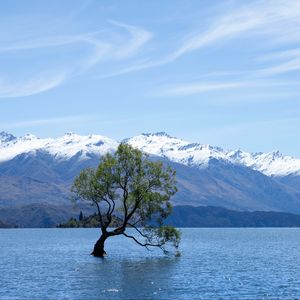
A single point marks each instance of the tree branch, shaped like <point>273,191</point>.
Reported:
<point>125,197</point>
<point>136,222</point>
<point>103,228</point>
<point>108,213</point>
<point>142,244</point>
<point>138,230</point>
<point>151,184</point>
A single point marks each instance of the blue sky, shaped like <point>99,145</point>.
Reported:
<point>225,73</point>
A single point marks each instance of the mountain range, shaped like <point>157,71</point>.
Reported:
<point>36,171</point>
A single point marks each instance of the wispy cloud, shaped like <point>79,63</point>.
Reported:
<point>280,55</point>
<point>119,46</point>
<point>228,27</point>
<point>135,67</point>
<point>285,61</point>
<point>288,66</point>
<point>268,22</point>
<point>186,89</point>
<point>138,37</point>
<point>102,47</point>
<point>111,50</point>
<point>225,29</point>
<point>269,18</point>
<point>41,122</point>
<point>32,86</point>
<point>202,87</point>
<point>46,42</point>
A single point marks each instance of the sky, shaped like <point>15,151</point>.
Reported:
<point>225,73</point>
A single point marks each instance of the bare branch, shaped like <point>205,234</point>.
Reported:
<point>108,213</point>
<point>142,244</point>
<point>136,222</point>
<point>100,216</point>
<point>138,230</point>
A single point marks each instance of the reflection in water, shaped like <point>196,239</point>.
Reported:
<point>128,277</point>
<point>150,276</point>
<point>215,263</point>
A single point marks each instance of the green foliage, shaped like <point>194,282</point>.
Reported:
<point>91,221</point>
<point>137,190</point>
<point>73,223</point>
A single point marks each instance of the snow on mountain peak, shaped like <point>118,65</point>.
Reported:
<point>70,133</point>
<point>158,144</point>
<point>162,134</point>
<point>271,163</point>
<point>63,147</point>
<point>28,137</point>
<point>70,144</point>
<point>155,143</point>
<point>6,137</point>
<point>199,155</point>
<point>175,149</point>
<point>275,163</point>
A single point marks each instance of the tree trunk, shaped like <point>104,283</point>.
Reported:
<point>99,247</point>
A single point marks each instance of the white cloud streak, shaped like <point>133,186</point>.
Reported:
<point>41,122</point>
<point>277,22</point>
<point>51,41</point>
<point>102,48</point>
<point>31,87</point>
<point>139,37</point>
<point>115,51</point>
<point>269,18</point>
<point>286,67</point>
<point>187,89</point>
<point>289,61</point>
<point>197,88</point>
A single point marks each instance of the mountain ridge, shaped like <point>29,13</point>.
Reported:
<point>158,144</point>
<point>41,171</point>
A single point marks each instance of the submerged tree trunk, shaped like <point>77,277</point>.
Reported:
<point>99,247</point>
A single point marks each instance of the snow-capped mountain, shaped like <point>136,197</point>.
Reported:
<point>40,172</point>
<point>159,144</point>
<point>271,164</point>
<point>6,137</point>
<point>199,155</point>
<point>62,148</point>
<point>177,150</point>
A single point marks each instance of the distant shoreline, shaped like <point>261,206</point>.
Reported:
<point>182,216</point>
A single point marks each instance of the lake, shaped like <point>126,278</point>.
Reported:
<point>221,263</point>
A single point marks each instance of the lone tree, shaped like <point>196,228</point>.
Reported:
<point>128,186</point>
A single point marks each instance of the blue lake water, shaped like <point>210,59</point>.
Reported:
<point>215,264</point>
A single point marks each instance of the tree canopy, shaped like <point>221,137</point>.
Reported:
<point>129,186</point>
